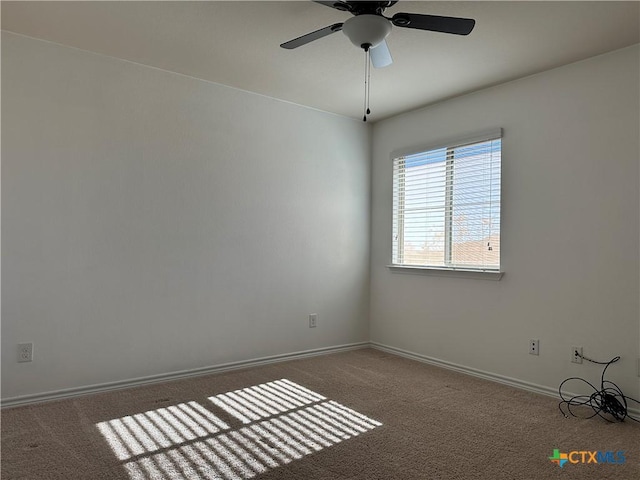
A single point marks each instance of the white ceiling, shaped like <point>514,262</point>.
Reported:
<point>237,44</point>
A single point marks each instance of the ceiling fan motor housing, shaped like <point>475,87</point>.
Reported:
<point>366,30</point>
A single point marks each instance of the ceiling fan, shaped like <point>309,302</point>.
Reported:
<point>368,28</point>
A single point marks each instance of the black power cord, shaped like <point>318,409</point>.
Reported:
<point>609,402</point>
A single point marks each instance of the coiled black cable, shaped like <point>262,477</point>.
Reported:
<point>609,402</point>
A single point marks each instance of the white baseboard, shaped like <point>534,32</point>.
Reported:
<point>135,382</point>
<point>512,382</point>
<point>166,377</point>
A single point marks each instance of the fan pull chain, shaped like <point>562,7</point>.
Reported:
<point>364,109</point>
<point>368,79</point>
<point>367,82</point>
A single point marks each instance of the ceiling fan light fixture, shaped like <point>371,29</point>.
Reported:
<point>366,30</point>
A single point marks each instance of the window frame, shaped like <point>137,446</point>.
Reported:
<point>450,145</point>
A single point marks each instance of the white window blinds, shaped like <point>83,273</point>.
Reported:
<point>446,206</point>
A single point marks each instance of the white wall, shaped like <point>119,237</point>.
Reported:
<point>570,230</point>
<point>154,223</point>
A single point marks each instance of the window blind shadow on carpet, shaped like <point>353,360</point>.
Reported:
<point>236,436</point>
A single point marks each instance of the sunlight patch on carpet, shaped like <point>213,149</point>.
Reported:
<point>275,423</point>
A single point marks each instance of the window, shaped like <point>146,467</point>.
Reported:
<point>446,205</point>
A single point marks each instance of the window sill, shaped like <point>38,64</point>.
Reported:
<point>446,272</point>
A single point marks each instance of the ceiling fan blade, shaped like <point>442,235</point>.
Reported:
<point>380,55</point>
<point>310,37</point>
<point>342,6</point>
<point>434,23</point>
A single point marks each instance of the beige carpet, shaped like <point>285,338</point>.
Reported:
<point>362,414</point>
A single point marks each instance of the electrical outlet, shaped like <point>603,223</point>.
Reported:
<point>313,320</point>
<point>576,354</point>
<point>534,347</point>
<point>25,352</point>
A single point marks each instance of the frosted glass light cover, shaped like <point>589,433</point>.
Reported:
<point>366,30</point>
